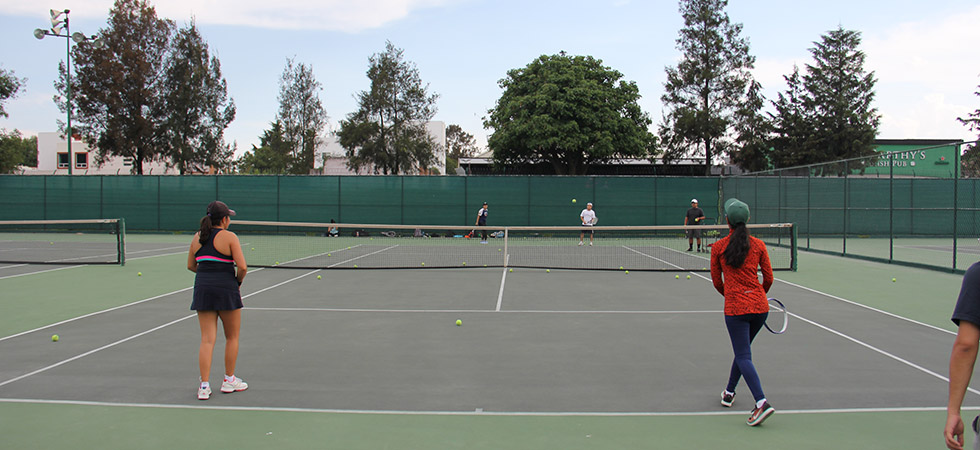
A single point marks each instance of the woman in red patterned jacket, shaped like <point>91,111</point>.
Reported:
<point>735,263</point>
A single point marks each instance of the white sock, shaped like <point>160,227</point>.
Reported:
<point>205,385</point>
<point>229,378</point>
<point>729,393</point>
<point>759,403</point>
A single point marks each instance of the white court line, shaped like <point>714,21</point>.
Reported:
<point>473,413</point>
<point>12,266</point>
<point>503,281</point>
<point>327,253</point>
<point>41,271</point>
<point>459,311</point>
<point>665,261</point>
<point>43,369</point>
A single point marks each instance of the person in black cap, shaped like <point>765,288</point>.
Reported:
<point>694,217</point>
<point>481,221</point>
<point>217,259</point>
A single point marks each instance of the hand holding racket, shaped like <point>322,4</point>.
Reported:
<point>778,317</point>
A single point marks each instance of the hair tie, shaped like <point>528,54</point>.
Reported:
<point>209,214</point>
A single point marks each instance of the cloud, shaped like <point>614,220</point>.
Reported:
<point>333,15</point>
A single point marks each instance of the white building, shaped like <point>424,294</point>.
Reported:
<point>331,158</point>
<point>53,159</point>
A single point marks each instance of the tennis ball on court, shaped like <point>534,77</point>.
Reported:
<point>688,277</point>
<point>277,263</point>
<point>50,243</point>
<point>355,266</point>
<point>548,270</point>
<point>677,277</point>
<point>627,272</point>
<point>464,263</point>
<point>620,267</point>
<point>574,201</point>
<point>893,280</point>
<point>459,322</point>
<point>54,338</point>
<point>253,248</point>
<point>511,270</point>
<point>139,274</point>
<point>328,254</point>
<point>423,264</point>
<point>318,277</point>
<point>500,249</point>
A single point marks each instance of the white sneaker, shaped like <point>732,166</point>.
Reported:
<point>580,243</point>
<point>590,244</point>
<point>234,385</point>
<point>203,393</point>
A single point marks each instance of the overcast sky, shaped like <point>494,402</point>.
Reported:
<point>923,53</point>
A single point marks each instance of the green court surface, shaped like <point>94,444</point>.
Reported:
<point>559,360</point>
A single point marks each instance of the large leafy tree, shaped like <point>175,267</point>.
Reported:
<point>708,87</point>
<point>971,157</point>
<point>301,115</point>
<point>16,150</point>
<point>753,130</point>
<point>459,144</point>
<point>827,113</point>
<point>387,133</point>
<point>9,85</point>
<point>118,89</point>
<point>198,107</point>
<point>569,112</point>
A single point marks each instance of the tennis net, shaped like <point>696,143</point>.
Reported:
<point>96,241</point>
<point>361,246</point>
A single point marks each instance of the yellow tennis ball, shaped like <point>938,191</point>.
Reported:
<point>459,322</point>
<point>627,272</point>
<point>253,248</point>
<point>318,277</point>
<point>893,280</point>
<point>54,338</point>
<point>464,263</point>
<point>355,266</point>
<point>328,254</point>
<point>277,263</point>
<point>511,270</point>
<point>688,277</point>
<point>620,267</point>
<point>677,277</point>
<point>423,264</point>
<point>548,270</point>
<point>574,201</point>
<point>139,274</point>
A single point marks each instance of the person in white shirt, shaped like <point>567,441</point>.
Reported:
<point>588,217</point>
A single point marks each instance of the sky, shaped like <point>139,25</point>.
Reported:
<point>923,54</point>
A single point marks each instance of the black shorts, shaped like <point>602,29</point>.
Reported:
<point>693,234</point>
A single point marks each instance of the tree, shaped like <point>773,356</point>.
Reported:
<point>829,114</point>
<point>705,90</point>
<point>274,155</point>
<point>9,85</point>
<point>753,131</point>
<point>459,144</point>
<point>301,115</point>
<point>569,112</point>
<point>970,161</point>
<point>387,133</point>
<point>118,89</point>
<point>15,150</point>
<point>198,106</point>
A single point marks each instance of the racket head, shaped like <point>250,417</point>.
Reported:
<point>595,220</point>
<point>778,317</point>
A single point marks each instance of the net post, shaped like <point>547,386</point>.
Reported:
<point>121,240</point>
<point>794,248</point>
<point>956,194</point>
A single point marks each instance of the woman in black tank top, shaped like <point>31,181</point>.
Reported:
<point>217,294</point>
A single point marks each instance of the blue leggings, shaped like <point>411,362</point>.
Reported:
<point>742,331</point>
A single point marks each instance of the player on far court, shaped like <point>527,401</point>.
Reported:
<point>217,259</point>
<point>966,316</point>
<point>588,217</point>
<point>481,221</point>
<point>694,217</point>
<point>735,262</point>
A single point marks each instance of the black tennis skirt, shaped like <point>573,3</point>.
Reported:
<point>216,291</point>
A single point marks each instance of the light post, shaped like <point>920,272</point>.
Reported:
<point>59,18</point>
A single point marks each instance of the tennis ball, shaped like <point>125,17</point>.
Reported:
<point>500,249</point>
<point>511,270</point>
<point>139,274</point>
<point>50,243</point>
<point>548,270</point>
<point>459,322</point>
<point>355,266</point>
<point>627,272</point>
<point>893,280</point>
<point>328,255</point>
<point>688,277</point>
<point>464,263</point>
<point>574,201</point>
<point>318,277</point>
<point>423,264</point>
<point>54,338</point>
<point>620,267</point>
<point>277,263</point>
<point>677,277</point>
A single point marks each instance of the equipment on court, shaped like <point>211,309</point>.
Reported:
<point>640,248</point>
<point>594,220</point>
<point>778,317</point>
<point>95,241</point>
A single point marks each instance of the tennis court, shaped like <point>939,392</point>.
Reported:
<point>543,359</point>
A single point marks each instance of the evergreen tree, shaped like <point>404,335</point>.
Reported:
<point>273,156</point>
<point>459,144</point>
<point>198,106</point>
<point>301,115</point>
<point>708,87</point>
<point>387,133</point>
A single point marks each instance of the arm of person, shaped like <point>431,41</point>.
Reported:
<point>195,246</point>
<point>766,267</point>
<point>236,254</point>
<point>717,278</point>
<point>961,362</point>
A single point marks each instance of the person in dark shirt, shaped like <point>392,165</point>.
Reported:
<point>694,217</point>
<point>966,316</point>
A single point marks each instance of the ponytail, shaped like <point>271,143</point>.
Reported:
<point>738,245</point>
<point>207,223</point>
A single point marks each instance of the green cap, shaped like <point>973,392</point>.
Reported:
<point>737,211</point>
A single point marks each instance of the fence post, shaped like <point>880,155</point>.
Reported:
<point>956,184</point>
<point>846,192</point>
<point>891,210</point>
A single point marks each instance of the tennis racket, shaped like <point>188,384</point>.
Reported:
<point>778,317</point>
<point>594,221</point>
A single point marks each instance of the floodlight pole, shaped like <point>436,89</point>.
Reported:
<point>78,38</point>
